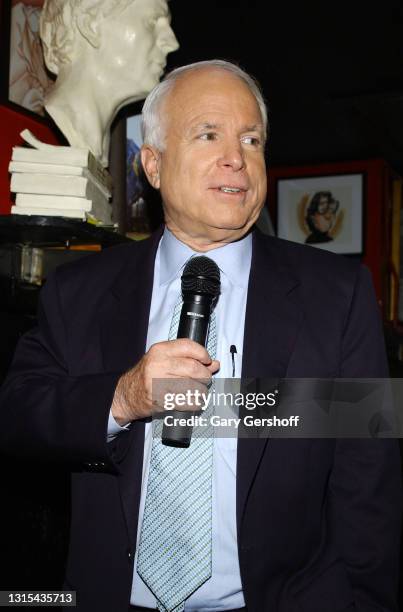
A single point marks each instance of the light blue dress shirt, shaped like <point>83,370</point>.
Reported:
<point>223,591</point>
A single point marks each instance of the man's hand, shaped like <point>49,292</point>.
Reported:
<point>179,360</point>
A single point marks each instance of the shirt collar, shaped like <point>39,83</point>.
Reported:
<point>233,259</point>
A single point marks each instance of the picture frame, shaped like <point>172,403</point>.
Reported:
<point>25,78</point>
<point>137,206</point>
<point>143,203</point>
<point>138,221</point>
<point>325,211</point>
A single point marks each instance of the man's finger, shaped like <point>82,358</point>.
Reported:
<point>188,368</point>
<point>214,366</point>
<point>184,347</point>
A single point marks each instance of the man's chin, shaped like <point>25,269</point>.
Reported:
<point>211,231</point>
<point>227,232</point>
<point>238,225</point>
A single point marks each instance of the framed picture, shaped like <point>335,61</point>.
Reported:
<point>323,211</point>
<point>136,206</point>
<point>25,79</point>
<point>135,201</point>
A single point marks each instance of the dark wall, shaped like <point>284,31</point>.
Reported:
<point>332,72</point>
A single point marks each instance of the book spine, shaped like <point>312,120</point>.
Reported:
<point>47,212</point>
<point>96,189</point>
<point>49,201</point>
<point>74,158</point>
<point>54,184</point>
<point>34,168</point>
<point>99,173</point>
<point>65,156</point>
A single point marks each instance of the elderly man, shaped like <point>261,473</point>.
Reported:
<point>282,524</point>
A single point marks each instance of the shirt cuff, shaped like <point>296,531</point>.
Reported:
<point>114,428</point>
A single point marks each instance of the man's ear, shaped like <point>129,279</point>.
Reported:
<point>88,28</point>
<point>150,159</point>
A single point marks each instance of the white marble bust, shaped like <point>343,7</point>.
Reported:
<point>106,54</point>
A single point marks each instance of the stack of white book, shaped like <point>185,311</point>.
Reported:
<point>59,181</point>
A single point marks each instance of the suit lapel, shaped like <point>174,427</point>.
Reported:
<point>127,307</point>
<point>123,340</point>
<point>273,318</point>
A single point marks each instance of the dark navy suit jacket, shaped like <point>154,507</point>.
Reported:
<point>318,519</point>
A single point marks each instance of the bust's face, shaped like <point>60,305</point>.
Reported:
<point>133,47</point>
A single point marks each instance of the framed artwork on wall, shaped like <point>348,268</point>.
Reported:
<point>143,203</point>
<point>137,206</point>
<point>138,220</point>
<point>25,79</point>
<point>362,191</point>
<point>322,211</point>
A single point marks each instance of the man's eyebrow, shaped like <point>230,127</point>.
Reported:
<point>205,125</point>
<point>256,127</point>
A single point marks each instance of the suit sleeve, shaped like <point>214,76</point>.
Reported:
<point>365,499</point>
<point>46,413</point>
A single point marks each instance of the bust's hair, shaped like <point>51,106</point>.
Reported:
<point>152,121</point>
<point>58,25</point>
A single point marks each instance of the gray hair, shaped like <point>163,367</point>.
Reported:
<point>58,25</point>
<point>152,123</point>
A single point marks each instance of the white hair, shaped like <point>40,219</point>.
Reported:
<point>152,122</point>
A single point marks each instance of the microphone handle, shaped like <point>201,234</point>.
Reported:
<point>193,324</point>
<point>195,318</point>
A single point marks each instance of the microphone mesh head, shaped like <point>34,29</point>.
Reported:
<point>201,275</point>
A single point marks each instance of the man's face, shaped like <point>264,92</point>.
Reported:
<point>212,171</point>
<point>136,42</point>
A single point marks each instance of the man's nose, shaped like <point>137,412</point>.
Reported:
<point>232,156</point>
<point>166,38</point>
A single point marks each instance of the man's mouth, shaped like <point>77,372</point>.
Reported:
<point>230,189</point>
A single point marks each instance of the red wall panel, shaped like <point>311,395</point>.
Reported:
<point>11,124</point>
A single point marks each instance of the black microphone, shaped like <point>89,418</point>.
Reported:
<point>200,291</point>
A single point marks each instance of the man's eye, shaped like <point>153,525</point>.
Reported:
<point>208,136</point>
<point>251,140</point>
